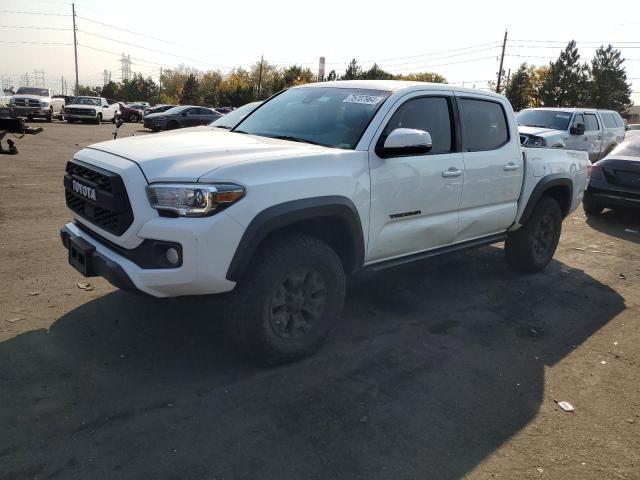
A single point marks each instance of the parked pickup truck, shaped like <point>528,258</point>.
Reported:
<point>318,182</point>
<point>91,109</point>
<point>597,132</point>
<point>33,102</point>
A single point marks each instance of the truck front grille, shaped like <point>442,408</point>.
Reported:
<point>23,102</point>
<point>79,111</point>
<point>111,209</point>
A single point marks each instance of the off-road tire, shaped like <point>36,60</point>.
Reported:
<point>530,248</point>
<point>592,209</point>
<point>262,306</point>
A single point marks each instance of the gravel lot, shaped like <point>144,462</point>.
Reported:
<point>440,370</point>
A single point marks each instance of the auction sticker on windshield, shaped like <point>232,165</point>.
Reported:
<point>364,99</point>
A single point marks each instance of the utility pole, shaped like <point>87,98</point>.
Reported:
<point>75,45</point>
<point>160,84</point>
<point>260,76</point>
<point>508,79</point>
<point>26,79</point>
<point>504,45</point>
<point>62,85</point>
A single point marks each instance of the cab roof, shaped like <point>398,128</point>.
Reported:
<point>397,85</point>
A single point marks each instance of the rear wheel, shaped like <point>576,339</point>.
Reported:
<point>530,248</point>
<point>133,118</point>
<point>287,302</point>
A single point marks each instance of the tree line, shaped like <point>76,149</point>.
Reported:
<point>189,86</point>
<point>565,82</point>
<point>568,82</point>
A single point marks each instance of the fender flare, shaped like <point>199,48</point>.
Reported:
<point>281,215</point>
<point>546,183</point>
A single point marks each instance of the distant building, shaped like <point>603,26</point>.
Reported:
<point>633,114</point>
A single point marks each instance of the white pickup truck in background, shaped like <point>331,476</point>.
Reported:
<point>597,132</point>
<point>90,109</point>
<point>34,102</point>
<point>319,181</point>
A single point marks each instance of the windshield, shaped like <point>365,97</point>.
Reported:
<point>174,110</point>
<point>41,92</point>
<point>630,148</point>
<point>86,101</point>
<point>234,117</point>
<point>553,119</point>
<point>329,116</point>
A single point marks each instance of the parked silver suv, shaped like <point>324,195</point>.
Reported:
<point>594,131</point>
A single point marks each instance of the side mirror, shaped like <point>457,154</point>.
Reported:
<point>105,106</point>
<point>405,141</point>
<point>577,130</point>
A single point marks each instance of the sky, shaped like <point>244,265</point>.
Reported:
<point>460,40</point>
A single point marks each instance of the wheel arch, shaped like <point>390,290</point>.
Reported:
<point>557,186</point>
<point>332,219</point>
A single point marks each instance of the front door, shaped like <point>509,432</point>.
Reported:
<point>415,198</point>
<point>577,142</point>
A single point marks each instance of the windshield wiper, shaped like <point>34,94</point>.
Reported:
<point>293,139</point>
<point>539,126</point>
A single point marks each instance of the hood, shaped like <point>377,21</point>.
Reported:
<point>188,154</point>
<point>30,97</point>
<point>85,107</point>
<point>539,132</point>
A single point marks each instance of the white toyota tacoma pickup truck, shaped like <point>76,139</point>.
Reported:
<point>318,182</point>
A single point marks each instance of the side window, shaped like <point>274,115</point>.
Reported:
<point>618,120</point>
<point>591,122</point>
<point>608,120</point>
<point>579,118</point>
<point>431,114</point>
<point>484,125</point>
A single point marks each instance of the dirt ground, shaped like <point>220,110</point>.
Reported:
<point>445,369</point>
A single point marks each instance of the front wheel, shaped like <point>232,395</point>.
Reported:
<point>287,302</point>
<point>530,248</point>
<point>99,119</point>
<point>49,117</point>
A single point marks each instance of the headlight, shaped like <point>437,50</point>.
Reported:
<point>536,142</point>
<point>93,112</point>
<point>194,200</point>
<point>44,104</point>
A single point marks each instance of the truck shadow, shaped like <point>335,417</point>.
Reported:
<point>621,223</point>
<point>431,369</point>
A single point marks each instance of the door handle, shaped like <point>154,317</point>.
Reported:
<point>511,166</point>
<point>452,172</point>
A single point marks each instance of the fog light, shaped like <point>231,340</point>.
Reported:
<point>172,256</point>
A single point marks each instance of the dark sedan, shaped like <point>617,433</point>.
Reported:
<point>179,117</point>
<point>615,180</point>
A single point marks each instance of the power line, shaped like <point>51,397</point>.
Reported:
<point>19,12</point>
<point>385,65</point>
<point>34,43</point>
<point>34,28</point>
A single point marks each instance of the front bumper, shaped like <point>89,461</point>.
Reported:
<point>207,246</point>
<point>155,124</point>
<point>32,111</point>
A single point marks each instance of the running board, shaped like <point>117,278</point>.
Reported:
<point>395,262</point>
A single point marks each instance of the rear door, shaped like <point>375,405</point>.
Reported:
<point>493,166</point>
<point>593,133</point>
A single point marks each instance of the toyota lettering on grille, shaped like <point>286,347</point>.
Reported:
<point>83,190</point>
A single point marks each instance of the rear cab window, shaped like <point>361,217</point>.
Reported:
<point>484,125</point>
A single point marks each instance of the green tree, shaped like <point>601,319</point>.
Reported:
<point>430,77</point>
<point>332,76</point>
<point>567,82</point>
<point>608,87</point>
<point>190,91</point>
<point>271,81</point>
<point>88,91</point>
<point>353,71</point>
<point>518,88</point>
<point>296,75</point>
<point>112,90</point>
<point>208,88</point>
<point>377,73</point>
<point>236,89</point>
